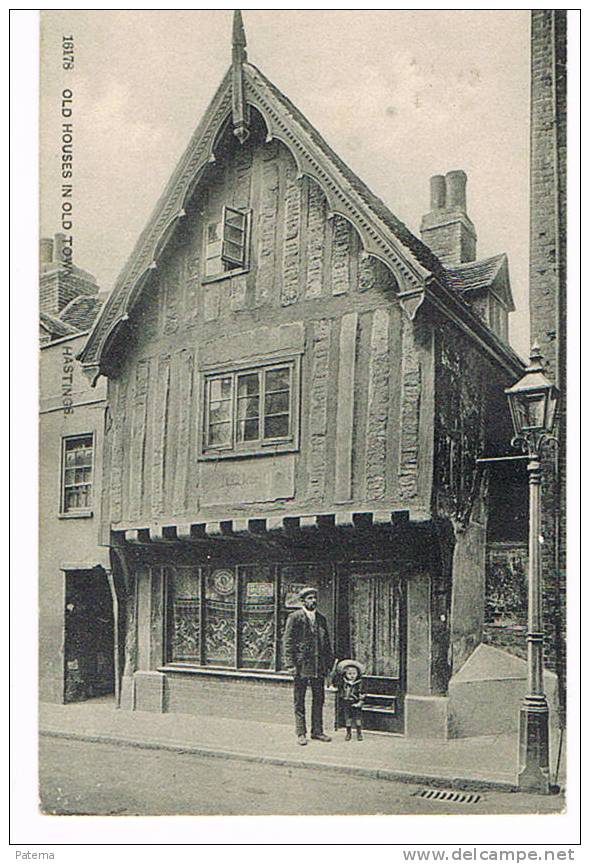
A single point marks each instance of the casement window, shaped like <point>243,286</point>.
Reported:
<point>226,243</point>
<point>251,410</point>
<point>497,318</point>
<point>234,617</point>
<point>77,467</point>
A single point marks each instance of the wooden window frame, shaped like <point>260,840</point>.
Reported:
<point>261,445</point>
<point>239,268</point>
<point>77,512</point>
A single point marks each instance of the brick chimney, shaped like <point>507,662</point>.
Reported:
<point>58,248</point>
<point>447,229</point>
<point>46,250</point>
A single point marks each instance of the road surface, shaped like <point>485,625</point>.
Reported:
<point>78,777</point>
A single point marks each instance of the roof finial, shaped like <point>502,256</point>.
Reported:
<point>536,361</point>
<point>239,38</point>
<point>240,113</point>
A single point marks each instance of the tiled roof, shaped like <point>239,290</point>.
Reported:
<point>475,274</point>
<point>81,312</point>
<point>56,328</point>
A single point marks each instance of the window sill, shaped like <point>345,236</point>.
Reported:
<point>228,274</point>
<point>220,672</point>
<point>76,514</point>
<point>267,450</point>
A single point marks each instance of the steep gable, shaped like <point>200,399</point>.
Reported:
<point>244,91</point>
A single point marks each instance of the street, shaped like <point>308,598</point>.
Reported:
<point>96,779</point>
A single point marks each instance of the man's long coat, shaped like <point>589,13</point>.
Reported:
<point>306,651</point>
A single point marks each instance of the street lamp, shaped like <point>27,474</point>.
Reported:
<point>533,405</point>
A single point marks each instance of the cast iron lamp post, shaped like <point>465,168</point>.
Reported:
<point>533,405</point>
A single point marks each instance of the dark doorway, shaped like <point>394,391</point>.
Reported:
<point>88,636</point>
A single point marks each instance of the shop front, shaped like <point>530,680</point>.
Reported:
<point>210,620</point>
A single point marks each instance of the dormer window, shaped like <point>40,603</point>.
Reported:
<point>226,244</point>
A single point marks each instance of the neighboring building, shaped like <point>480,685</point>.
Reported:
<point>75,604</point>
<point>298,391</point>
<point>548,262</point>
<point>68,296</point>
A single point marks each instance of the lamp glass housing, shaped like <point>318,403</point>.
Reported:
<point>533,405</point>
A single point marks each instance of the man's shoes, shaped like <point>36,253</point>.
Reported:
<point>348,735</point>
<point>359,735</point>
<point>321,737</point>
<point>301,739</point>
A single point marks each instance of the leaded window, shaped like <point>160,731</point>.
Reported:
<point>77,463</point>
<point>234,617</point>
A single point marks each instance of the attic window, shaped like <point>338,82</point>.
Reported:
<point>226,243</point>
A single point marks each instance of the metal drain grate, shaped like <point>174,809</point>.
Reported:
<point>448,795</point>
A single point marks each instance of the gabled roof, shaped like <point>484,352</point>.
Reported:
<point>412,244</point>
<point>419,273</point>
<point>489,273</point>
<point>81,312</point>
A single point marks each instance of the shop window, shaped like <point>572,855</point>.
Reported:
<point>77,463</point>
<point>295,577</point>
<point>185,608</point>
<point>234,617</point>
<point>256,618</point>
<point>251,410</point>
<point>220,617</point>
<point>226,243</point>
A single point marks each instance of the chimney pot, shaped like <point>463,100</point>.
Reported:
<point>456,182</point>
<point>45,250</point>
<point>447,229</point>
<point>438,192</point>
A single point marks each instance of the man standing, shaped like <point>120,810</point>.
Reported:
<point>309,659</point>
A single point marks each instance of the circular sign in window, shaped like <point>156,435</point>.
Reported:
<point>224,581</point>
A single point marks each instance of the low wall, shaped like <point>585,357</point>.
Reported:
<point>236,698</point>
<point>222,695</point>
<point>486,695</point>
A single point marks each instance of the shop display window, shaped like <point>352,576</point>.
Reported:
<point>234,617</point>
<point>185,609</point>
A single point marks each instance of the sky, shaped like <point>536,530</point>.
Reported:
<point>399,95</point>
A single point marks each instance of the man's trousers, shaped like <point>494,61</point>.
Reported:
<point>300,685</point>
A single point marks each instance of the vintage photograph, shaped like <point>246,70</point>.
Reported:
<point>302,435</point>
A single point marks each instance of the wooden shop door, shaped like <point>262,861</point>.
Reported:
<point>374,612</point>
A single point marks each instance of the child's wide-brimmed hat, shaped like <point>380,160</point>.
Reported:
<point>344,663</point>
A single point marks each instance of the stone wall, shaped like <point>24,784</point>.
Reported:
<point>470,421</point>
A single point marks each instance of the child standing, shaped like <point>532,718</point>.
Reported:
<point>350,693</point>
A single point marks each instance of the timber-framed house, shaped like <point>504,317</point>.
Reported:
<point>298,390</point>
